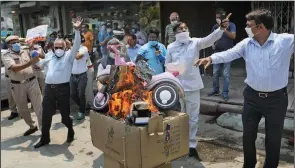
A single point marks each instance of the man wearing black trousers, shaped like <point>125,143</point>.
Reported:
<point>267,56</point>
<point>57,88</point>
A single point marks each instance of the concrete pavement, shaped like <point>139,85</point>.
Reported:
<point>18,152</point>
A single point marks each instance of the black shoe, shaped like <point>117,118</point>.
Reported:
<point>71,134</point>
<point>193,153</point>
<point>31,131</point>
<point>213,93</point>
<point>40,144</point>
<point>13,116</point>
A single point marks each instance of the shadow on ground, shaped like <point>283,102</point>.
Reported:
<point>15,143</point>
<point>53,150</point>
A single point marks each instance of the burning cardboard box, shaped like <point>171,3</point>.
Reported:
<point>133,122</point>
<point>138,147</point>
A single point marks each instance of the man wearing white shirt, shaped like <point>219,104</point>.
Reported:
<point>267,56</point>
<point>185,51</point>
<point>78,80</point>
<point>57,88</point>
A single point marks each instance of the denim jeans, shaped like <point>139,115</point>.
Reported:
<point>226,75</point>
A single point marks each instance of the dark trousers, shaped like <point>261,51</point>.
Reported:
<point>78,87</point>
<point>273,108</point>
<point>59,93</point>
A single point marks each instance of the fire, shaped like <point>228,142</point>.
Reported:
<point>128,89</point>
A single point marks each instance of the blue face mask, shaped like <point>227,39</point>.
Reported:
<point>52,39</point>
<point>153,43</point>
<point>16,47</point>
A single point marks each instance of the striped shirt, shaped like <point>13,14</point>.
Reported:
<point>169,34</point>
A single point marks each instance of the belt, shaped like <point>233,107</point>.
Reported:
<point>91,66</point>
<point>53,86</point>
<point>269,94</point>
<point>78,75</point>
<point>23,81</point>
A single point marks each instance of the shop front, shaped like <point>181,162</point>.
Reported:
<point>121,15</point>
<point>10,23</point>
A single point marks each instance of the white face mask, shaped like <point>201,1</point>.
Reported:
<point>109,30</point>
<point>249,32</point>
<point>59,52</point>
<point>174,22</point>
<point>218,21</point>
<point>182,37</point>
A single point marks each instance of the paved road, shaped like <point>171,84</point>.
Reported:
<point>18,152</point>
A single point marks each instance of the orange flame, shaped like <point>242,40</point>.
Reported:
<point>128,90</point>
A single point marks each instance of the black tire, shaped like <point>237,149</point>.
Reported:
<point>171,93</point>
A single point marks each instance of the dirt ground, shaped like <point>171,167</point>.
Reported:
<point>218,147</point>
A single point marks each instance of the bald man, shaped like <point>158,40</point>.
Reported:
<point>23,81</point>
<point>57,85</point>
<point>169,33</point>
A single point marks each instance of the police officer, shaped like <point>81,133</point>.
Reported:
<point>23,82</point>
<point>57,86</point>
<point>11,102</point>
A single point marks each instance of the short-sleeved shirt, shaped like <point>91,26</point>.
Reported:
<point>225,42</point>
<point>149,52</point>
<point>10,58</point>
<point>169,33</point>
<point>132,52</point>
<point>80,65</point>
<point>88,41</point>
<point>88,62</point>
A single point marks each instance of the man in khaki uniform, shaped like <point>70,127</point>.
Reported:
<point>23,82</point>
<point>11,102</point>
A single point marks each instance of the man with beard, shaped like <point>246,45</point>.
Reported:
<point>57,88</point>
<point>185,51</point>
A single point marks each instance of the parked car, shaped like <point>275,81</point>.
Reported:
<point>4,95</point>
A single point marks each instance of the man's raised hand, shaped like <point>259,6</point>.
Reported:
<point>224,22</point>
<point>77,24</point>
<point>204,61</point>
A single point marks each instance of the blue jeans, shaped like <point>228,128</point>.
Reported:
<point>226,75</point>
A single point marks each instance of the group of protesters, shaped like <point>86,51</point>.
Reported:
<point>69,71</point>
